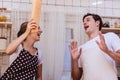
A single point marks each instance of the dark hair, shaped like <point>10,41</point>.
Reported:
<point>96,18</point>
<point>22,28</point>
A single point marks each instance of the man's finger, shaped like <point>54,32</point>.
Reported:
<point>75,44</point>
<point>98,43</point>
<point>80,51</point>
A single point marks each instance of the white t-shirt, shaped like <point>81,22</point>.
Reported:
<point>92,58</point>
<point>14,55</point>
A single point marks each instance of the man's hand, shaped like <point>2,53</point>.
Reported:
<point>74,50</point>
<point>102,45</point>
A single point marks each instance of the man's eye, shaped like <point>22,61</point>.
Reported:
<point>88,20</point>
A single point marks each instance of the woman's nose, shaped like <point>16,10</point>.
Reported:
<point>40,30</point>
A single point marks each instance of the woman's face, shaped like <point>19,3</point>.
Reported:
<point>36,35</point>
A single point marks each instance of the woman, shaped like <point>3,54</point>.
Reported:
<point>28,64</point>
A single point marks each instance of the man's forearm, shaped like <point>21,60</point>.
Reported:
<point>76,71</point>
<point>114,55</point>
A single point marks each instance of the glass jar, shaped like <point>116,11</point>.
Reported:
<point>3,17</point>
<point>3,42</point>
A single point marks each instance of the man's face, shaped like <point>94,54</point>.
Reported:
<point>90,25</point>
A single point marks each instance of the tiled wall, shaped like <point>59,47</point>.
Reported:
<point>102,7</point>
<point>110,8</point>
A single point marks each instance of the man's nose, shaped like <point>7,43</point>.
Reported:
<point>84,23</point>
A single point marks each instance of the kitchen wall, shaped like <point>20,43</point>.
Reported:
<point>57,15</point>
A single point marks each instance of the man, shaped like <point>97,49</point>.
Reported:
<point>95,60</point>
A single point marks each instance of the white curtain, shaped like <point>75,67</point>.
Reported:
<point>53,46</point>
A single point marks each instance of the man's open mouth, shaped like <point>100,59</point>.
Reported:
<point>86,27</point>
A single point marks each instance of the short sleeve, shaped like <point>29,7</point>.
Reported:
<point>40,61</point>
<point>15,54</point>
<point>115,41</point>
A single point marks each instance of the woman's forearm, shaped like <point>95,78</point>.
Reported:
<point>39,75</point>
<point>11,48</point>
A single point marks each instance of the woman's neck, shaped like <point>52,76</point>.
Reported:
<point>28,45</point>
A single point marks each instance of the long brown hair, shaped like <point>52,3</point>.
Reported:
<point>22,28</point>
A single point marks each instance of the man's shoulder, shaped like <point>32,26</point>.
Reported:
<point>110,34</point>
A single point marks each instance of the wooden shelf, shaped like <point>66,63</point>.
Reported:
<point>2,51</point>
<point>9,24</point>
<point>4,10</point>
<point>111,17</point>
<point>115,30</point>
<point>5,22</point>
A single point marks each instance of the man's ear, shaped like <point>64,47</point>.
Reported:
<point>98,23</point>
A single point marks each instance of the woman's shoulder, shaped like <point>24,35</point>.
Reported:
<point>39,51</point>
<point>40,56</point>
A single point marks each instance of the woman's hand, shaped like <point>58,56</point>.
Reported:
<point>31,25</point>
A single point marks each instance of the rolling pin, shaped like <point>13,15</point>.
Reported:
<point>36,11</point>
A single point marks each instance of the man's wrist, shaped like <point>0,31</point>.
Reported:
<point>109,52</point>
<point>75,62</point>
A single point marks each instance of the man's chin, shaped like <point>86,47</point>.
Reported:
<point>87,32</point>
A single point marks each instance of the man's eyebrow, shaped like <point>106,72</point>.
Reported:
<point>87,18</point>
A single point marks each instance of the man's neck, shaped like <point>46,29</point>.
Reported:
<point>93,35</point>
